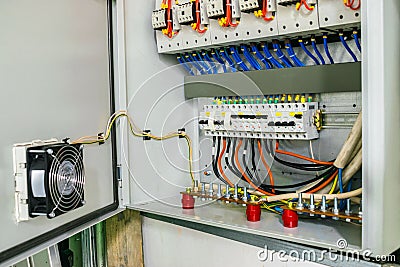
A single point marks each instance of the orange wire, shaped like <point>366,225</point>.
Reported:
<point>304,2</point>
<point>221,170</point>
<point>198,22</point>
<point>300,156</point>
<point>271,178</point>
<point>229,15</point>
<point>325,183</point>
<point>265,11</point>
<point>244,174</point>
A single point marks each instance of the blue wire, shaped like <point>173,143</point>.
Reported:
<point>185,65</point>
<point>211,62</point>
<point>282,56</point>
<point>219,60</point>
<point>357,41</point>
<point>349,185</point>
<point>293,56</point>
<point>340,180</point>
<point>195,63</point>
<point>271,58</point>
<point>238,59</point>
<point>203,63</point>
<point>327,50</point>
<point>260,56</point>
<point>314,45</point>
<point>308,52</point>
<point>253,62</point>
<point>347,47</point>
<point>228,59</point>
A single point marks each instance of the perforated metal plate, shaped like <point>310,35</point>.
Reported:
<point>334,14</point>
<point>292,21</point>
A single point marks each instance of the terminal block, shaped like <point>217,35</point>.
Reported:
<point>294,121</point>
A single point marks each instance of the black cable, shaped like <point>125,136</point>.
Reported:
<point>231,167</point>
<point>300,166</point>
<point>233,160</point>
<point>214,160</point>
<point>246,167</point>
<point>253,161</point>
<point>326,175</point>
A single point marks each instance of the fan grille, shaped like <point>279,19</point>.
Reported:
<point>66,179</point>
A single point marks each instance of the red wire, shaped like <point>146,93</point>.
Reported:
<point>356,7</point>
<point>198,23</point>
<point>244,174</point>
<point>349,3</point>
<point>229,14</point>
<point>300,156</point>
<point>265,11</point>
<point>221,170</point>
<point>306,5</point>
<point>269,172</point>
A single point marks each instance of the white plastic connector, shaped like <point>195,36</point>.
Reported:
<point>158,19</point>
<point>246,5</point>
<point>215,8</point>
<point>185,13</point>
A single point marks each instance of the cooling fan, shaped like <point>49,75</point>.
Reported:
<point>50,179</point>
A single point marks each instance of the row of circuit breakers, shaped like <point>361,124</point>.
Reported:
<point>297,120</point>
<point>192,24</point>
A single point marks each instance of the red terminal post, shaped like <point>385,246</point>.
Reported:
<point>253,213</point>
<point>290,219</point>
<point>187,201</point>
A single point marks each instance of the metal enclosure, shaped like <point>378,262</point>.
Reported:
<point>55,76</point>
<point>55,83</point>
<point>381,155</point>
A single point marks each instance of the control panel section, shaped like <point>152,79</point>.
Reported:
<point>294,121</point>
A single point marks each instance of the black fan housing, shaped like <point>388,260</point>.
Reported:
<point>56,179</point>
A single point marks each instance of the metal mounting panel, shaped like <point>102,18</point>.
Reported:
<point>334,14</point>
<point>254,28</point>
<point>224,35</point>
<point>293,22</point>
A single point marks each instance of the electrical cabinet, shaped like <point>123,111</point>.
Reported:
<point>211,73</point>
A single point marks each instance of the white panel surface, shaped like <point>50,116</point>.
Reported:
<point>155,99</point>
<point>54,83</point>
<point>181,247</point>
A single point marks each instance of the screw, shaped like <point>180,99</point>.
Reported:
<point>348,209</point>
<point>211,190</point>
<point>227,194</point>
<point>323,206</point>
<point>203,191</point>
<point>312,205</point>
<point>235,195</point>
<point>300,202</point>
<point>49,151</point>
<point>244,198</point>
<point>335,208</point>
<point>219,192</point>
<point>83,202</point>
<point>52,215</point>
